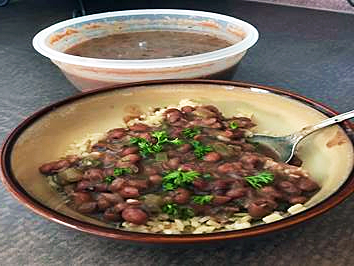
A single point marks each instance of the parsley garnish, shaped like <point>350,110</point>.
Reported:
<point>178,178</point>
<point>257,181</point>
<point>202,199</point>
<point>176,211</point>
<point>191,132</point>
<point>233,125</point>
<point>170,209</point>
<point>185,213</point>
<point>147,147</point>
<point>200,149</point>
<point>117,172</point>
<point>121,171</point>
<point>109,179</point>
<point>207,177</point>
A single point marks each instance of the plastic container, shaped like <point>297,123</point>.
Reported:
<point>90,73</point>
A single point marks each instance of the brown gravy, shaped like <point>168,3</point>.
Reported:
<point>148,45</point>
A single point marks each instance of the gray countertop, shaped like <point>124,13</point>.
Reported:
<point>306,51</point>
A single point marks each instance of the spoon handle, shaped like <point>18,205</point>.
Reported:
<point>325,123</point>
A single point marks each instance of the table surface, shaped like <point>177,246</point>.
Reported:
<point>306,51</point>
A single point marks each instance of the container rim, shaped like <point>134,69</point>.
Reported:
<point>39,42</point>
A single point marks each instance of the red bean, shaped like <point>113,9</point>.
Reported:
<point>110,215</point>
<point>173,117</point>
<point>150,170</point>
<point>93,174</point>
<point>288,187</point>
<point>236,193</point>
<point>226,168</point>
<point>212,157</point>
<point>134,215</point>
<point>85,186</point>
<point>81,197</point>
<point>53,167</point>
<point>146,136</point>
<point>87,207</point>
<point>228,133</point>
<point>132,158</point>
<point>174,163</point>
<point>216,125</point>
<point>117,184</point>
<point>201,184</point>
<point>155,179</point>
<point>251,161</point>
<point>108,159</point>
<point>187,167</point>
<point>176,132</point>
<point>202,209</point>
<point>231,209</point>
<point>120,207</point>
<point>103,204</point>
<point>220,200</point>
<point>181,196</point>
<point>261,207</point>
<point>130,150</point>
<point>185,148</point>
<point>102,187</point>
<point>139,127</point>
<point>116,133</point>
<point>187,109</point>
<point>219,184</point>
<point>129,192</point>
<point>138,183</point>
<point>270,191</point>
<point>306,184</point>
<point>112,197</point>
<point>297,199</point>
<point>209,121</point>
<point>121,164</point>
<point>212,108</point>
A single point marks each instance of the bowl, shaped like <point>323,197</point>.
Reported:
<point>47,134</point>
<point>92,73</point>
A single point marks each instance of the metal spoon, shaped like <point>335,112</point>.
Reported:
<point>284,147</point>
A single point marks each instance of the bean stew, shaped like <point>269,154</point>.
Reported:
<point>195,172</point>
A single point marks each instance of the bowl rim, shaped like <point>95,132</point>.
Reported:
<point>39,42</point>
<point>9,180</point>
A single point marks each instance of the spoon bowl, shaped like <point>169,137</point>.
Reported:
<point>284,147</point>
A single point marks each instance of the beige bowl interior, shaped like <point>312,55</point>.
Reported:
<point>327,155</point>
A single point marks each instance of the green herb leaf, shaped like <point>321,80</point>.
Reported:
<point>109,179</point>
<point>202,199</point>
<point>178,178</point>
<point>185,213</point>
<point>258,181</point>
<point>200,149</point>
<point>233,125</point>
<point>176,211</point>
<point>121,171</point>
<point>170,209</point>
<point>191,132</point>
<point>207,177</point>
<point>147,147</point>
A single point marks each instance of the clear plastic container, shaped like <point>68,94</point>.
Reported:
<point>90,73</point>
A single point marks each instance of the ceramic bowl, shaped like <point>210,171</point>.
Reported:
<point>47,134</point>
